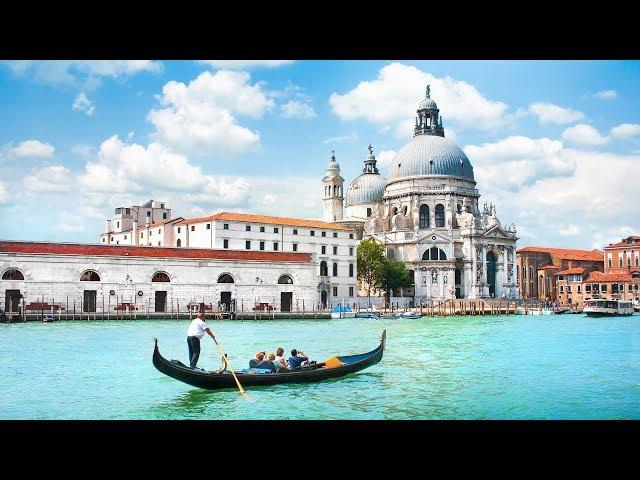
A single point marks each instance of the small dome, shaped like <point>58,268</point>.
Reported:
<point>427,103</point>
<point>431,155</point>
<point>333,165</point>
<point>366,188</point>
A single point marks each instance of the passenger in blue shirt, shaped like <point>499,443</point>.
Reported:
<point>295,361</point>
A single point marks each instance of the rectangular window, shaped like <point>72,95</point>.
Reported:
<point>164,215</point>
<point>159,231</point>
<point>313,233</point>
<point>609,263</point>
<point>247,228</point>
<point>335,234</point>
<point>158,243</point>
<point>368,212</point>
<point>225,226</point>
<point>125,237</point>
<point>127,210</point>
<point>603,288</point>
<point>561,289</point>
<point>587,288</point>
<point>117,224</point>
<point>261,229</point>
<point>117,242</point>
<point>103,240</point>
<point>178,229</point>
<point>150,232</point>
<point>225,243</point>
<point>141,234</point>
<point>193,228</point>
<point>295,247</point>
<point>579,289</point>
<point>261,245</point>
<point>335,291</point>
<point>148,214</point>
<point>295,231</point>
<point>630,288</point>
<point>323,250</point>
<point>560,277</point>
<point>620,262</point>
<point>208,226</point>
<point>276,230</point>
<point>351,251</point>
<point>324,234</point>
<point>247,245</point>
<point>275,246</point>
<point>614,288</point>
<point>351,236</point>
<point>335,250</point>
<point>351,291</point>
<point>568,288</point>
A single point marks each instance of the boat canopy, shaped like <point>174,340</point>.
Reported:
<point>341,309</point>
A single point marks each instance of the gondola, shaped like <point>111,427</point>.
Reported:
<point>216,380</point>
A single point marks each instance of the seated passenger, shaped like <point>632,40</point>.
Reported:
<point>260,363</point>
<point>280,361</point>
<point>295,361</point>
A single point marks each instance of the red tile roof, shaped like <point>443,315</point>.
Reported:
<point>139,251</point>
<point>633,240</point>
<point>571,271</point>
<point>565,253</point>
<point>613,276</point>
<point>250,218</point>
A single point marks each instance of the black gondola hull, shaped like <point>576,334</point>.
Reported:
<point>218,381</point>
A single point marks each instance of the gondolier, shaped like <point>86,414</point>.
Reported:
<point>196,331</point>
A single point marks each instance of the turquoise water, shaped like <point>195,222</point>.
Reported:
<point>507,367</point>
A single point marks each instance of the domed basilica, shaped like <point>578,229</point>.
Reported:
<point>427,214</point>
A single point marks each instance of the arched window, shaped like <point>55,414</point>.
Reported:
<point>439,215</point>
<point>324,269</point>
<point>335,269</point>
<point>394,211</point>
<point>160,277</point>
<point>351,269</point>
<point>12,274</point>
<point>434,253</point>
<point>285,280</point>
<point>459,208</point>
<point>90,276</point>
<point>225,278</point>
<point>179,243</point>
<point>424,216</point>
<point>404,210</point>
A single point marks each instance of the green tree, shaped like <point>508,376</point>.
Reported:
<point>394,275</point>
<point>371,264</point>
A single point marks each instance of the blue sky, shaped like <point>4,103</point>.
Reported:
<point>554,144</point>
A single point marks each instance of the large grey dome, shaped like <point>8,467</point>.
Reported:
<point>431,155</point>
<point>366,188</point>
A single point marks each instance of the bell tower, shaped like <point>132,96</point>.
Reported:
<point>427,121</point>
<point>333,194</point>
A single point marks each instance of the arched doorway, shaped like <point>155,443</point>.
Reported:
<point>491,273</point>
<point>323,298</point>
<point>225,296</point>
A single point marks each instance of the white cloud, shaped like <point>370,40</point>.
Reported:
<point>344,138</point>
<point>245,64</point>
<point>30,149</point>
<point>626,130</point>
<point>606,94</point>
<point>83,104</point>
<point>51,179</point>
<point>4,195</point>
<point>517,161</point>
<point>569,230</point>
<point>221,191</point>
<point>86,74</point>
<point>586,135</point>
<point>198,118</point>
<point>294,109</point>
<point>550,113</point>
<point>385,157</point>
<point>83,150</point>
<point>391,100</point>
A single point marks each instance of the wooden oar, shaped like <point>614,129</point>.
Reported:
<point>242,392</point>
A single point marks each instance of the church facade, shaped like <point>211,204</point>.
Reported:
<point>428,214</point>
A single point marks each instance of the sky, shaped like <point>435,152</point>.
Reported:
<point>555,145</point>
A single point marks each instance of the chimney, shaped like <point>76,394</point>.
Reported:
<point>134,233</point>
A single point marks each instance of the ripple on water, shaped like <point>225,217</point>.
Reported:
<point>519,367</point>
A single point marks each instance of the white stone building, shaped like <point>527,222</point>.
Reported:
<point>427,214</point>
<point>100,278</point>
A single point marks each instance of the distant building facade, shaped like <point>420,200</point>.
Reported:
<point>539,269</point>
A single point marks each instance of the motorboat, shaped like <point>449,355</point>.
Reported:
<point>607,308</point>
<point>367,315</point>
<point>342,311</point>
